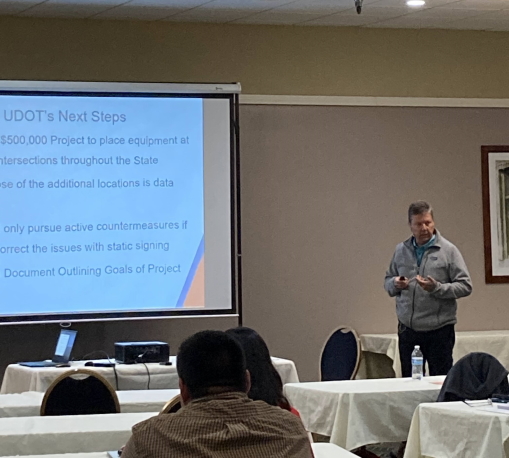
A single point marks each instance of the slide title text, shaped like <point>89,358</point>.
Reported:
<point>63,116</point>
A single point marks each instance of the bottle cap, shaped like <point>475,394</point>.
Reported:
<point>417,347</point>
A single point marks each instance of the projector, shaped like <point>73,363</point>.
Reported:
<point>141,352</point>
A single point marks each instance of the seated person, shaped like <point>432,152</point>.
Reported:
<point>266,384</point>
<point>217,418</point>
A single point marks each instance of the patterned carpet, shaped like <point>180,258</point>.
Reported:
<point>384,450</point>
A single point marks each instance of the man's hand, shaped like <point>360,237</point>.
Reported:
<point>401,282</point>
<point>428,284</point>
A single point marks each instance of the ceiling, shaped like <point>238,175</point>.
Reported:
<point>443,14</point>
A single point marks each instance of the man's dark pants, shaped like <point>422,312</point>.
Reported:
<point>436,347</point>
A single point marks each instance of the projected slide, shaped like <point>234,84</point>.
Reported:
<point>102,204</point>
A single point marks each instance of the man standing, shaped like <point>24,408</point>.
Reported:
<point>426,275</point>
<point>218,419</point>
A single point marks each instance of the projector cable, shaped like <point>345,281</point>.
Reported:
<point>148,374</point>
<point>139,359</point>
<point>113,365</point>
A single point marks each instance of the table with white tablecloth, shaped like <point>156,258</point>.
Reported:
<point>360,412</point>
<point>320,450</point>
<point>18,379</point>
<point>29,404</point>
<point>455,430</point>
<point>326,450</point>
<point>495,343</point>
<point>69,455</point>
<point>67,434</point>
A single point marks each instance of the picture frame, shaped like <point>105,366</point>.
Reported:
<point>495,193</point>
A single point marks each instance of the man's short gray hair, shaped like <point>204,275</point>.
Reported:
<point>419,208</point>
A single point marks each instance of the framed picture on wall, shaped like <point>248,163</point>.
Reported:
<point>495,192</point>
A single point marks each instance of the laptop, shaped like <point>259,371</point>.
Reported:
<point>62,351</point>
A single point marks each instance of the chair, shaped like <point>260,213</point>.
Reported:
<point>476,376</point>
<point>80,392</point>
<point>341,355</point>
<point>173,405</point>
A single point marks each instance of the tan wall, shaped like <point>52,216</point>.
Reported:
<point>325,195</point>
<point>265,59</point>
<point>319,222</point>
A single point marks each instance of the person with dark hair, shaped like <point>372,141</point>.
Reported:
<point>210,362</point>
<point>266,384</point>
<point>217,418</point>
<point>426,275</point>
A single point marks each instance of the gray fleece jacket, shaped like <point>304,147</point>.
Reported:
<point>416,308</point>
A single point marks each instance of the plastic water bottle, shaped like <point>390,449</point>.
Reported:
<point>417,363</point>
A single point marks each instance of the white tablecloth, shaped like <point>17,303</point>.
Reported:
<point>29,404</point>
<point>19,379</point>
<point>320,450</point>
<point>360,412</point>
<point>70,455</point>
<point>455,430</point>
<point>69,434</point>
<point>495,343</point>
<point>324,450</point>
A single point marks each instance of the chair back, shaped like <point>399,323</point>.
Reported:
<point>173,405</point>
<point>341,355</point>
<point>80,392</point>
<point>476,376</point>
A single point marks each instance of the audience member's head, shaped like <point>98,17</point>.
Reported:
<point>266,384</point>
<point>211,362</point>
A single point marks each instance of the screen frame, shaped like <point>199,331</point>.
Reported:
<point>229,91</point>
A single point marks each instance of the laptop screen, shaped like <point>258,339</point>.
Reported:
<point>64,346</point>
